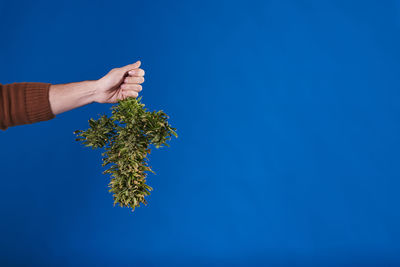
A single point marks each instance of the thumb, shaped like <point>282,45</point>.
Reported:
<point>131,66</point>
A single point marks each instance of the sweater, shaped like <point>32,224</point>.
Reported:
<point>24,103</point>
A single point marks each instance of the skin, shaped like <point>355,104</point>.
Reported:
<point>117,84</point>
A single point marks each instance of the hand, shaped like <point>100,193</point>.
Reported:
<point>119,83</point>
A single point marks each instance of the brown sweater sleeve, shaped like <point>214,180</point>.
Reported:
<point>24,103</point>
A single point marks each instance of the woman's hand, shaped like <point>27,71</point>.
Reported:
<point>119,83</point>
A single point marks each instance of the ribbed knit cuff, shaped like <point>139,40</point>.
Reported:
<point>37,102</point>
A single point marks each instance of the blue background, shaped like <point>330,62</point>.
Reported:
<point>288,114</point>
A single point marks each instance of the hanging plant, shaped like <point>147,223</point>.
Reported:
<point>127,136</point>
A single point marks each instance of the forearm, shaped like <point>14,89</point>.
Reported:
<point>64,97</point>
<point>25,103</point>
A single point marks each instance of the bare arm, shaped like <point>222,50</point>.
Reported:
<point>119,83</point>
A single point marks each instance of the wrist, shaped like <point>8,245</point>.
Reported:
<point>64,97</point>
<point>88,91</point>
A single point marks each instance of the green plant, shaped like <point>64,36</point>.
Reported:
<point>126,137</point>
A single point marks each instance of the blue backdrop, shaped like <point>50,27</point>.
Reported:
<point>288,114</point>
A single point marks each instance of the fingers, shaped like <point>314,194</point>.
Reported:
<point>130,93</point>
<point>131,87</point>
<point>136,72</point>
<point>134,79</point>
<point>131,84</point>
<point>131,66</point>
<point>132,69</point>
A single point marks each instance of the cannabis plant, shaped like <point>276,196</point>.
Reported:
<point>127,136</point>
